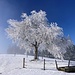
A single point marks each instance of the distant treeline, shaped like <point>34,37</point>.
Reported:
<point>70,54</point>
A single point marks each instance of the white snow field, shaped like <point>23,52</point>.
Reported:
<point>12,65</point>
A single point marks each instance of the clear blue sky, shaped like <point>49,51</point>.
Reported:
<point>60,11</point>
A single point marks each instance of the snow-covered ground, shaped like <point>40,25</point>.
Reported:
<point>12,65</point>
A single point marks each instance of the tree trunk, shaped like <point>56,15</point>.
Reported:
<point>36,51</point>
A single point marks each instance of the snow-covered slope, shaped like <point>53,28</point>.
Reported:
<point>12,65</point>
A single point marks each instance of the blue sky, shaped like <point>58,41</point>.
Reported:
<point>60,11</point>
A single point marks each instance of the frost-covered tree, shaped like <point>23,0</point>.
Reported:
<point>62,44</point>
<point>29,33</point>
<point>70,51</point>
<point>57,43</point>
<point>34,32</point>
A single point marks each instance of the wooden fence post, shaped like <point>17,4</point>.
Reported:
<point>56,64</point>
<point>44,64</point>
<point>23,62</point>
<point>69,63</point>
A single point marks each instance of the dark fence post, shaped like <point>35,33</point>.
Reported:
<point>23,62</point>
<point>44,64</point>
<point>69,63</point>
<point>56,64</point>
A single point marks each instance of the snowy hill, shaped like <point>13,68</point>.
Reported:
<point>12,65</point>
